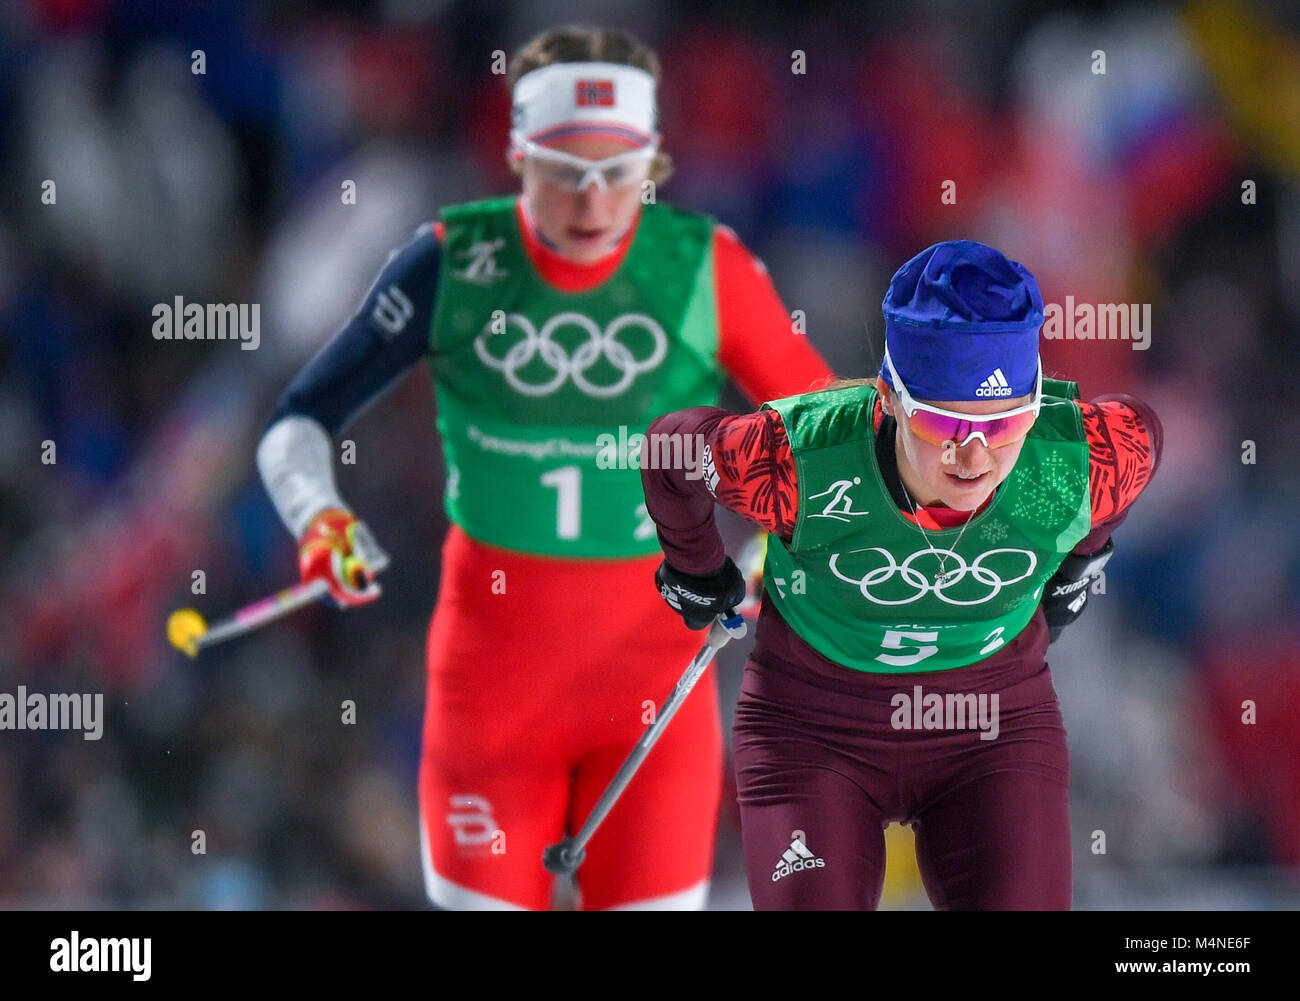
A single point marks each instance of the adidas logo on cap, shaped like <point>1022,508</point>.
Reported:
<point>995,385</point>
<point>797,858</point>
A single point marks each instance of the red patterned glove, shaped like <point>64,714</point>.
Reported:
<point>339,549</point>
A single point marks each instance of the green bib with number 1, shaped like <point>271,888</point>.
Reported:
<point>533,384</point>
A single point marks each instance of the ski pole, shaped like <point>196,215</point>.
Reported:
<point>563,857</point>
<point>189,632</point>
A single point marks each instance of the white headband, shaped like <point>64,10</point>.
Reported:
<point>565,99</point>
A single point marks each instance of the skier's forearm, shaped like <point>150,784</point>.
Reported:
<point>682,505</point>
<point>1096,539</point>
<point>386,336</point>
<point>295,458</point>
<point>352,371</point>
<point>748,468</point>
<point>383,339</point>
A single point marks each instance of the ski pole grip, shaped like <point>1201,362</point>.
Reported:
<point>730,626</point>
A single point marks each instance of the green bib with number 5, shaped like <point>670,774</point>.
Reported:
<point>859,581</point>
<point>540,392</point>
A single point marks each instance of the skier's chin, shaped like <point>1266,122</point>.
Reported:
<point>582,248</point>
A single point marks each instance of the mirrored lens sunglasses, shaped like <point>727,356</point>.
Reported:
<point>939,427</point>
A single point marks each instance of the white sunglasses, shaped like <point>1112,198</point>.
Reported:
<point>575,173</point>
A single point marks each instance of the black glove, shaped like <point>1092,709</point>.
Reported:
<point>699,600</point>
<point>1065,595</point>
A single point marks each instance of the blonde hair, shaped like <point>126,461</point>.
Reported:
<point>575,43</point>
<point>853,383</point>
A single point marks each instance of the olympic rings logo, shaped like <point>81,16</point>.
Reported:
<point>926,585</point>
<point>599,344</point>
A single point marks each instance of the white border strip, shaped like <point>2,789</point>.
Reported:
<point>692,899</point>
<point>444,893</point>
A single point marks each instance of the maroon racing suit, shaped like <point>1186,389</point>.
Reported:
<point>821,769</point>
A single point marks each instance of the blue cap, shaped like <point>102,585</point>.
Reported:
<point>961,323</point>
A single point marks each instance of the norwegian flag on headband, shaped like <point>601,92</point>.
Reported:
<point>594,93</point>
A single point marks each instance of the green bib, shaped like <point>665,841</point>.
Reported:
<point>858,580</point>
<point>533,384</point>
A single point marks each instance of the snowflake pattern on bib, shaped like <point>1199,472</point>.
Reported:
<point>1045,489</point>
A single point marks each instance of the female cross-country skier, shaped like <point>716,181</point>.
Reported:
<point>917,525</point>
<point>581,308</point>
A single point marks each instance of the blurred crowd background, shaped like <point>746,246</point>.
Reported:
<point>225,187</point>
